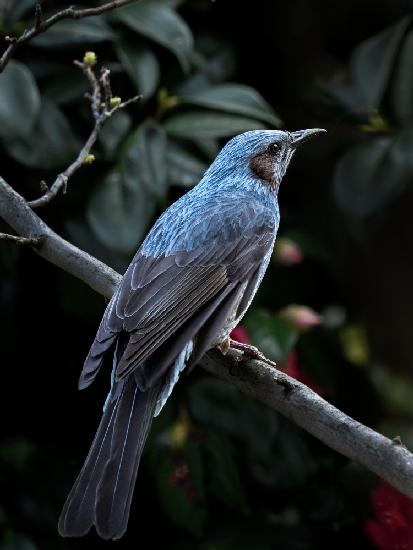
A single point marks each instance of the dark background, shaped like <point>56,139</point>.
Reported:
<point>219,471</point>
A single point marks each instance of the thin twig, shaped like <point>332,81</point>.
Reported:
<point>38,16</point>
<point>96,97</point>
<point>27,241</point>
<point>386,458</point>
<point>42,25</point>
<point>105,80</point>
<point>101,112</point>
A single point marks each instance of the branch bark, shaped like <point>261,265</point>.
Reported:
<point>41,25</point>
<point>386,458</point>
<point>18,214</point>
<point>101,113</point>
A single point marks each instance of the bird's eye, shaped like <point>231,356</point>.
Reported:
<point>273,148</point>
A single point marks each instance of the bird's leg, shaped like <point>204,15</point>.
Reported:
<point>250,352</point>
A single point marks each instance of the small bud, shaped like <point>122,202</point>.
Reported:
<point>89,159</point>
<point>302,318</point>
<point>376,124</point>
<point>287,252</point>
<point>115,101</point>
<point>90,58</point>
<point>179,433</point>
<point>166,101</point>
<point>355,345</point>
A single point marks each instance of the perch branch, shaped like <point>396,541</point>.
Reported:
<point>41,25</point>
<point>101,112</point>
<point>385,457</point>
<point>18,214</point>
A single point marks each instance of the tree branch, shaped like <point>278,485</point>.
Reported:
<point>41,25</point>
<point>101,113</point>
<point>30,241</point>
<point>18,214</point>
<point>386,458</point>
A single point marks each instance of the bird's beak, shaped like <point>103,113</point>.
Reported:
<point>301,136</point>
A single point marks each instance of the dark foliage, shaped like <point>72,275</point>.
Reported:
<point>219,471</point>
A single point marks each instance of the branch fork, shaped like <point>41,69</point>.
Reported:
<point>101,112</point>
<point>41,25</point>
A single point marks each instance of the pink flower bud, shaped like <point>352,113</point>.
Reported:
<point>287,252</point>
<point>302,318</point>
<point>240,334</point>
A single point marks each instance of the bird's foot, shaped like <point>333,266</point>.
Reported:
<point>225,346</point>
<point>251,352</point>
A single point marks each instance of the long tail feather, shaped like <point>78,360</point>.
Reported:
<point>102,493</point>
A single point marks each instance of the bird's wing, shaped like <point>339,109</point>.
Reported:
<point>164,300</point>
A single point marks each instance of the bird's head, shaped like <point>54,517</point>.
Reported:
<point>263,154</point>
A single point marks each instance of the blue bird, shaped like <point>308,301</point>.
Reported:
<point>188,286</point>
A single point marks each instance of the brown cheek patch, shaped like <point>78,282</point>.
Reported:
<point>262,166</point>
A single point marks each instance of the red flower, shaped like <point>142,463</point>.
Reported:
<point>180,477</point>
<point>392,527</point>
<point>240,334</point>
<point>293,369</point>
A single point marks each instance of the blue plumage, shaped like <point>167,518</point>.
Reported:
<point>186,224</point>
<point>187,287</point>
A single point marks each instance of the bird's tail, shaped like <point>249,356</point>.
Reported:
<point>102,493</point>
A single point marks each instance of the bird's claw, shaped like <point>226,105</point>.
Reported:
<point>251,352</point>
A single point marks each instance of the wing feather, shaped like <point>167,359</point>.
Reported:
<point>162,295</point>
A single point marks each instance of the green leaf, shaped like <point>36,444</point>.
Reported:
<point>17,453</point>
<point>68,32</point>
<point>16,541</point>
<point>114,131</point>
<point>142,66</point>
<point>402,87</point>
<point>118,214</point>
<point>219,405</point>
<point>215,58</point>
<point>289,463</point>
<point>225,479</point>
<point>246,533</point>
<point>274,336</point>
<point>373,61</point>
<point>199,124</point>
<point>184,168</point>
<point>209,147</point>
<point>179,477</point>
<point>144,159</point>
<point>16,9</point>
<point>65,86</point>
<point>371,174</point>
<point>51,144</point>
<point>395,390</point>
<point>160,23</point>
<point>234,98</point>
<point>81,234</point>
<point>19,101</point>
<point>122,206</point>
